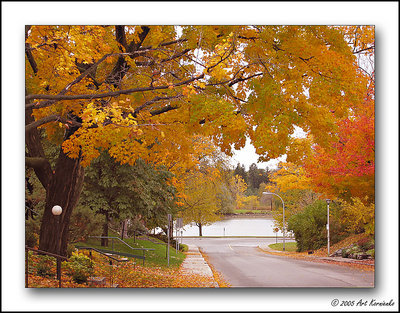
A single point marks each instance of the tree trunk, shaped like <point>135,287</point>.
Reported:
<point>104,241</point>
<point>200,229</point>
<point>124,229</point>
<point>64,189</point>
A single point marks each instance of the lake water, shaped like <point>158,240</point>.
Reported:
<point>235,227</point>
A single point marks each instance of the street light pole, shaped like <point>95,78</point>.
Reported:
<point>57,210</point>
<point>327,224</point>
<point>283,205</point>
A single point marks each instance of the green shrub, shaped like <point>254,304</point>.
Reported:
<point>309,226</point>
<point>80,267</point>
<point>183,247</point>
<point>43,267</point>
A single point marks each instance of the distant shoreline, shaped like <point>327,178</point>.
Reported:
<point>247,215</point>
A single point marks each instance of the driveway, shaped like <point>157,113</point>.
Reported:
<point>242,264</point>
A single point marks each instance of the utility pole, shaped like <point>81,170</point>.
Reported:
<point>327,224</point>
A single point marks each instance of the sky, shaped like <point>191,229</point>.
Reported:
<point>247,155</point>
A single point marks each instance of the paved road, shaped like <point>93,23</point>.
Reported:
<point>242,264</point>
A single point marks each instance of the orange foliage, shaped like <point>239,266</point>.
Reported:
<point>347,168</point>
<point>125,275</point>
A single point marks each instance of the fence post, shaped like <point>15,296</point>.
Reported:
<point>111,278</point>
<point>59,271</point>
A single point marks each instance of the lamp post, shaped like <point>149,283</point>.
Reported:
<point>327,224</point>
<point>283,205</point>
<point>57,210</point>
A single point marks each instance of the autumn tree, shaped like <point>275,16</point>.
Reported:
<point>201,202</point>
<point>291,182</point>
<point>238,188</point>
<point>207,191</point>
<point>347,168</point>
<point>144,91</point>
<point>359,216</point>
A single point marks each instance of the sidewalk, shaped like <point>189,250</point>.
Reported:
<point>195,264</point>
<point>311,257</point>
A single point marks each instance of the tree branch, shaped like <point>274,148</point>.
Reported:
<point>177,55</point>
<point>147,103</point>
<point>67,87</point>
<point>36,162</point>
<point>241,79</point>
<point>108,94</point>
<point>48,119</point>
<point>220,61</point>
<point>163,110</point>
<point>30,58</point>
<point>365,49</point>
<point>35,150</point>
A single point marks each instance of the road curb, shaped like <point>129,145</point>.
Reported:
<point>267,249</point>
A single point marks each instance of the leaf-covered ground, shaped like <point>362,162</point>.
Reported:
<point>125,275</point>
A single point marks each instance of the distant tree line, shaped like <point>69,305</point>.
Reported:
<point>254,177</point>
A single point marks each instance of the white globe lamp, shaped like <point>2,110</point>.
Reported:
<point>56,210</point>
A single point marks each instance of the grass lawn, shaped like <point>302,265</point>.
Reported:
<point>289,246</point>
<point>158,257</point>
